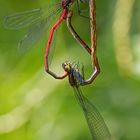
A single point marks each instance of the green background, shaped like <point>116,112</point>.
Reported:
<point>34,106</point>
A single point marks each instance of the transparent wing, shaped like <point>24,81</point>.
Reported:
<point>97,126</point>
<point>34,34</point>
<point>38,21</point>
<point>26,18</point>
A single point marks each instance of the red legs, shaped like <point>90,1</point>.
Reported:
<point>63,16</point>
<point>92,50</point>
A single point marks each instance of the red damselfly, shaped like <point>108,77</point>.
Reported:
<point>95,121</point>
<point>38,20</point>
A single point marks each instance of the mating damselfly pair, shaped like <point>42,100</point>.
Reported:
<point>38,20</point>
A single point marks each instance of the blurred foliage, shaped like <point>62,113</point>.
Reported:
<point>34,106</point>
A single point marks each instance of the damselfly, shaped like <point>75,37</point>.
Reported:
<point>95,121</point>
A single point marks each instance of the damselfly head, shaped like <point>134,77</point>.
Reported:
<point>66,66</point>
<point>70,66</point>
